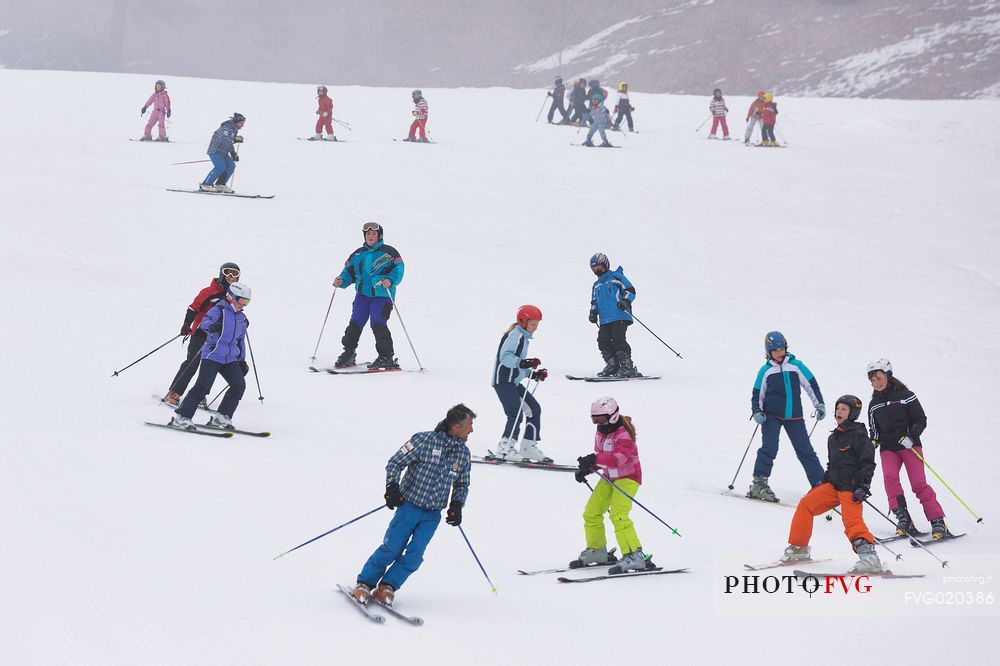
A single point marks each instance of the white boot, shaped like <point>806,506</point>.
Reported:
<point>317,137</point>
<point>179,421</point>
<point>505,449</point>
<point>223,188</point>
<point>868,561</point>
<point>530,451</point>
<point>221,421</point>
<point>207,188</point>
<point>797,554</point>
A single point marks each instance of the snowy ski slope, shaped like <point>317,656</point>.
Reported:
<point>875,233</point>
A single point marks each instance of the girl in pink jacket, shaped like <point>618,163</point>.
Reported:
<point>616,459</point>
<point>160,101</point>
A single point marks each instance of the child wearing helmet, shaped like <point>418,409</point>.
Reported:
<point>611,309</point>
<point>897,423</point>
<point>769,117</point>
<point>325,113</point>
<point>616,460</point>
<point>596,89</point>
<point>223,354</point>
<point>623,107</point>
<point>578,101</point>
<point>717,107</point>
<point>754,115</point>
<point>599,118</point>
<point>160,101</point>
<point>558,95</point>
<point>419,118</point>
<point>511,367</point>
<point>777,403</point>
<point>846,483</point>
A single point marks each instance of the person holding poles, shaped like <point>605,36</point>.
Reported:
<point>512,366</point>
<point>755,116</point>
<point>222,152</point>
<point>433,464</point>
<point>558,95</point>
<point>375,269</point>
<point>717,107</point>
<point>205,299</point>
<point>611,308</point>
<point>897,422</point>
<point>325,113</point>
<point>224,353</point>
<point>616,459</point>
<point>160,101</point>
<point>847,484</point>
<point>776,403</point>
<point>420,113</point>
<point>623,107</point>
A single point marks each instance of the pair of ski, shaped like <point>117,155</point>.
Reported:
<point>757,499</point>
<point>225,194</point>
<point>526,464</point>
<point>377,617</point>
<point>358,369</point>
<point>917,542</point>
<point>809,574</point>
<point>312,138</point>
<point>583,145</point>
<point>210,431</point>
<point>655,571</point>
<point>598,378</point>
<point>410,141</point>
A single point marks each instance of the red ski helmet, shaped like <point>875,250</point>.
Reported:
<point>526,312</point>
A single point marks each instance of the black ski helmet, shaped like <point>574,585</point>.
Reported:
<point>853,403</point>
<point>600,259</point>
<point>372,226</point>
<point>228,265</point>
<point>238,118</point>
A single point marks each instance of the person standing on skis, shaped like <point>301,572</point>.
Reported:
<point>847,484</point>
<point>615,458</point>
<point>776,403</point>
<point>754,115</point>
<point>578,101</point>
<point>511,367</point>
<point>222,152</point>
<point>611,309</point>
<point>375,269</point>
<point>325,113</point>
<point>558,95</point>
<point>160,101</point>
<point>623,107</point>
<point>897,422</point>
<point>769,118</point>
<point>202,303</point>
<point>599,118</point>
<point>420,113</point>
<point>717,107</point>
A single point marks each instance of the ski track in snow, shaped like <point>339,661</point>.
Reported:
<point>874,233</point>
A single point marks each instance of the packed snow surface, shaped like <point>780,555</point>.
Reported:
<point>874,233</point>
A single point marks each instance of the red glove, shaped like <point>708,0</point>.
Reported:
<point>530,363</point>
<point>540,375</point>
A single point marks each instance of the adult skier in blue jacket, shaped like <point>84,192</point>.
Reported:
<point>223,354</point>
<point>222,152</point>
<point>375,269</point>
<point>611,309</point>
<point>777,404</point>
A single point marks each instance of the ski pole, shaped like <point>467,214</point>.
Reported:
<point>427,132</point>
<point>782,136</point>
<point>343,124</point>
<point>641,506</point>
<point>353,520</point>
<point>655,335</point>
<point>520,408</point>
<point>877,540</point>
<point>481,568</point>
<point>752,435</point>
<point>815,423</point>
<point>978,519</point>
<point>324,323</point>
<point>913,541</point>
<point>542,109</point>
<point>400,314</point>
<point>254,363</point>
<point>115,373</point>
<point>224,389</point>
<point>191,162</point>
<point>703,123</point>
<point>232,180</point>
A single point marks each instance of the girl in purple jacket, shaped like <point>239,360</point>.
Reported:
<point>160,101</point>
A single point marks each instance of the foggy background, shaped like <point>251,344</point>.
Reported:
<point>920,49</point>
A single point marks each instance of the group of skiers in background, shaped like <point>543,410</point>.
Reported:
<point>763,111</point>
<point>587,108</point>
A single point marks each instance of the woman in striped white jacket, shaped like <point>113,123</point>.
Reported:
<point>717,107</point>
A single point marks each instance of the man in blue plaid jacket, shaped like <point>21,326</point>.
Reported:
<point>437,464</point>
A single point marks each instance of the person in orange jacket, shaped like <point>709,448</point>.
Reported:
<point>754,114</point>
<point>847,483</point>
<point>325,113</point>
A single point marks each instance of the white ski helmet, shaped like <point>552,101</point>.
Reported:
<point>238,291</point>
<point>881,364</point>
<point>606,406</point>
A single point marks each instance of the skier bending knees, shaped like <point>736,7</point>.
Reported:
<point>511,367</point>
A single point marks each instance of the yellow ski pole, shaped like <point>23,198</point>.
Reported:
<point>978,519</point>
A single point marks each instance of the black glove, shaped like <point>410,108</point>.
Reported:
<point>587,463</point>
<point>245,368</point>
<point>861,493</point>
<point>188,320</point>
<point>454,515</point>
<point>581,475</point>
<point>237,139</point>
<point>625,304</point>
<point>186,329</point>
<point>143,112</point>
<point>593,317</point>
<point>393,498</point>
<point>168,113</point>
<point>540,375</point>
<point>235,156</point>
<point>215,328</point>
<point>530,363</point>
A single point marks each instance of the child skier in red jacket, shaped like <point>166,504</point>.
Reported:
<point>325,113</point>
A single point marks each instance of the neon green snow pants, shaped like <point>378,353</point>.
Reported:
<point>603,498</point>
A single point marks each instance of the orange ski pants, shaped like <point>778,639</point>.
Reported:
<point>819,500</point>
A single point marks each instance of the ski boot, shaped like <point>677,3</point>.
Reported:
<point>611,366</point>
<point>173,398</point>
<point>589,144</point>
<point>531,453</point>
<point>725,138</point>
<point>712,136</point>
<point>362,593</point>
<point>634,561</point>
<point>223,188</point>
<point>332,137</point>
<point>626,368</point>
<point>939,530</point>
<point>423,139</point>
<point>904,524</point>
<point>605,144</point>
<point>204,187</point>
<point>384,362</point>
<point>384,594</point>
<point>220,421</point>
<point>346,360</point>
<point>316,137</point>
<point>505,449</point>
<point>760,490</point>
<point>869,562</point>
<point>410,139</point>
<point>796,554</point>
<point>594,556</point>
<point>146,137</point>
<point>161,140</point>
<point>181,422</point>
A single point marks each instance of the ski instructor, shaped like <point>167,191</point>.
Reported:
<point>375,269</point>
<point>222,152</point>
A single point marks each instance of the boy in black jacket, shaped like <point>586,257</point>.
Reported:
<point>847,482</point>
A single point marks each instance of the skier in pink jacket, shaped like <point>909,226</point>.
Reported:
<point>160,101</point>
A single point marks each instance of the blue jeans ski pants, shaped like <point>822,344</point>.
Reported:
<point>402,549</point>
<point>510,397</point>
<point>221,164</point>
<point>796,431</point>
<point>233,375</point>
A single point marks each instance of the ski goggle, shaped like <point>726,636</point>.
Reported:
<point>231,273</point>
<point>241,300</point>
<point>371,226</point>
<point>321,89</point>
<point>600,419</point>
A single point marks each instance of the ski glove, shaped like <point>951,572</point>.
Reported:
<point>820,412</point>
<point>530,363</point>
<point>393,498</point>
<point>861,493</point>
<point>540,375</point>
<point>186,329</point>
<point>237,139</point>
<point>244,368</point>
<point>454,515</point>
<point>587,463</point>
<point>625,304</point>
<point>143,112</point>
<point>759,417</point>
<point>593,317</point>
<point>235,156</point>
<point>581,475</point>
<point>168,113</point>
<point>906,442</point>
